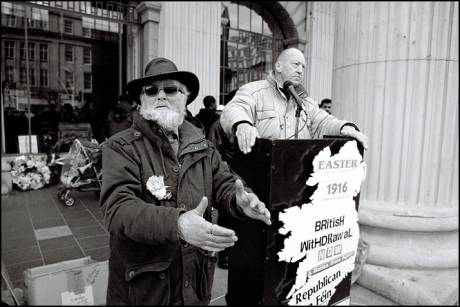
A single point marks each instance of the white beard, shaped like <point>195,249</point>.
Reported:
<point>167,119</point>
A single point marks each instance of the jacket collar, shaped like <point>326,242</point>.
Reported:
<point>298,88</point>
<point>191,138</point>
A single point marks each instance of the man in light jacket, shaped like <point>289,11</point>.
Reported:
<point>267,109</point>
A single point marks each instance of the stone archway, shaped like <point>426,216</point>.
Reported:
<point>278,20</point>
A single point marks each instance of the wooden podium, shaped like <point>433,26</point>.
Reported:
<point>306,256</point>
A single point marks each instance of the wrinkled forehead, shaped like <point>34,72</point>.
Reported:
<point>292,56</point>
<point>166,82</point>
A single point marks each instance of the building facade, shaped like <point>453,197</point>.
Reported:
<point>390,67</point>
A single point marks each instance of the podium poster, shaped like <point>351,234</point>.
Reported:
<point>312,190</point>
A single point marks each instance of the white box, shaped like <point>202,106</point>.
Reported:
<point>74,282</point>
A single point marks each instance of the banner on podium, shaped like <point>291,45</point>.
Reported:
<point>307,255</point>
<point>321,236</point>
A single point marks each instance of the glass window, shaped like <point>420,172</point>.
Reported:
<point>31,51</point>
<point>52,54</point>
<point>22,50</point>
<point>68,26</point>
<point>44,52</point>
<point>69,53</point>
<point>9,73</point>
<point>22,76</point>
<point>44,77</point>
<point>86,55</point>
<point>86,32</point>
<point>247,47</point>
<point>9,49</point>
<point>87,80</point>
<point>68,79</point>
<point>31,76</point>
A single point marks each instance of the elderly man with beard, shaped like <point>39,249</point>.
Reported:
<point>160,179</point>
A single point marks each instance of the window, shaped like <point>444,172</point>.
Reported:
<point>44,52</point>
<point>69,53</point>
<point>32,76</point>
<point>87,81</point>
<point>23,76</point>
<point>44,77</point>
<point>8,20</point>
<point>31,51</point>
<point>86,32</point>
<point>9,49</point>
<point>248,47</point>
<point>68,26</point>
<point>86,55</point>
<point>68,79</point>
<point>22,50</point>
<point>9,73</point>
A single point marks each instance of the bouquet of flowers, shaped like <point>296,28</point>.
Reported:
<point>30,173</point>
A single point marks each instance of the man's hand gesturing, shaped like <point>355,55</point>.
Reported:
<point>195,230</point>
<point>251,204</point>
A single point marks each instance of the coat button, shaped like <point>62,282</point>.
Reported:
<point>131,274</point>
<point>137,133</point>
<point>162,276</point>
<point>175,169</point>
<point>182,205</point>
<point>186,284</point>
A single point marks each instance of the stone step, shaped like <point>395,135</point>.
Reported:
<point>360,296</point>
<point>410,286</point>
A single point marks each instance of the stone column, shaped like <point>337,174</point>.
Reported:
<point>190,36</point>
<point>149,16</point>
<point>396,75</point>
<point>319,53</point>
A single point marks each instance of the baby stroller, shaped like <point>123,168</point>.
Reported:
<point>81,169</point>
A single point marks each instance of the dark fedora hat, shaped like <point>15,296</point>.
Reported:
<point>162,69</point>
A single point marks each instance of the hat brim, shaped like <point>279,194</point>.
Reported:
<point>190,80</point>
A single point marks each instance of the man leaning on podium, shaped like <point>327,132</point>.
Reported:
<point>275,108</point>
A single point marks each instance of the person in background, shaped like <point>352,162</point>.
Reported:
<point>119,117</point>
<point>326,105</point>
<point>208,115</point>
<point>161,179</point>
<point>266,108</point>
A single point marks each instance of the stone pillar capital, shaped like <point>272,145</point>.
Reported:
<point>149,11</point>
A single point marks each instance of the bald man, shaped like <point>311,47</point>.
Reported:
<point>264,109</point>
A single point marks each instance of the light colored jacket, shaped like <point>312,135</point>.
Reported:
<point>264,105</point>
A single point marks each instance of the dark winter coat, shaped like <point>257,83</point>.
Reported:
<point>148,263</point>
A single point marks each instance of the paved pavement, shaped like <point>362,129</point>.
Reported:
<point>37,229</point>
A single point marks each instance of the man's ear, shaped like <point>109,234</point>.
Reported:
<point>278,66</point>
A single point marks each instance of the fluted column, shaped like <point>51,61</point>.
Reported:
<point>149,16</point>
<point>190,36</point>
<point>319,51</point>
<point>396,75</point>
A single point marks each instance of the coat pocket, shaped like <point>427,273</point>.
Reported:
<point>149,284</point>
<point>265,114</point>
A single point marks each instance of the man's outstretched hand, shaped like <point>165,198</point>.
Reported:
<point>195,230</point>
<point>251,204</point>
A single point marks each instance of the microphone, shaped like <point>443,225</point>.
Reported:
<point>288,86</point>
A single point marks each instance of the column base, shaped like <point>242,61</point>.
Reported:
<point>412,257</point>
<point>410,286</point>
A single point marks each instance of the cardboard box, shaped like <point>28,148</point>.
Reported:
<point>75,282</point>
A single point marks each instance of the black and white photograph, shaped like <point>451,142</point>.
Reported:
<point>230,153</point>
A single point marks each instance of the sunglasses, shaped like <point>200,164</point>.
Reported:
<point>153,90</point>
